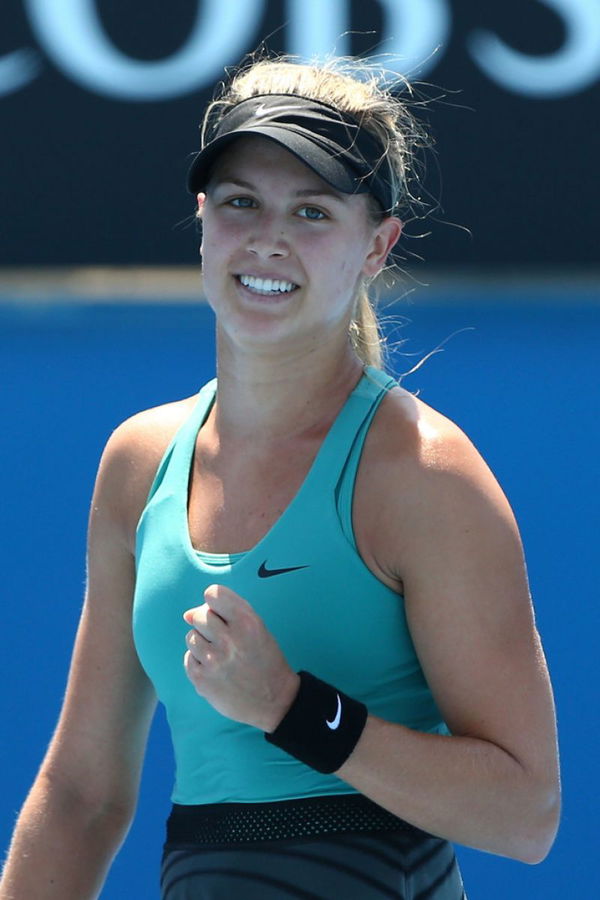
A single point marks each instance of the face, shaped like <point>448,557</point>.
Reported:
<point>282,251</point>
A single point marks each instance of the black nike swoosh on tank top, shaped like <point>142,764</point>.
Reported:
<point>263,572</point>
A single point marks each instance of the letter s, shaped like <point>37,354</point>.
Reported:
<point>72,34</point>
<point>575,66</point>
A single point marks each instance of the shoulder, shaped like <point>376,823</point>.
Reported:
<point>408,437</point>
<point>422,479</point>
<point>129,462</point>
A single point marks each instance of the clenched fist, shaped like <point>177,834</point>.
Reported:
<point>235,663</point>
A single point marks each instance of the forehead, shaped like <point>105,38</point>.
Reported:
<point>260,156</point>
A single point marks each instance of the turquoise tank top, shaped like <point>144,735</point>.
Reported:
<point>329,613</point>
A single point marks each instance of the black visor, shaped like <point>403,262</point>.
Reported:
<point>332,144</point>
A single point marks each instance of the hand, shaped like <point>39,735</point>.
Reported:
<point>235,663</point>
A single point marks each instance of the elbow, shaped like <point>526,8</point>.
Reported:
<point>539,848</point>
<point>537,839</point>
<point>90,804</point>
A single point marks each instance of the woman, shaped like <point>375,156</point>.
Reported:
<point>362,681</point>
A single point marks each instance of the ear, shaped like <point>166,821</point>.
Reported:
<point>385,235</point>
<point>201,198</point>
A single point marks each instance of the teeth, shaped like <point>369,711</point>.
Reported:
<point>267,285</point>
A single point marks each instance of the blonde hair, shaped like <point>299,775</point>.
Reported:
<point>358,89</point>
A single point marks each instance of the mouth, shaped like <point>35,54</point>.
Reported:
<point>267,287</point>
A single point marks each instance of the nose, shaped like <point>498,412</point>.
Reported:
<point>268,238</point>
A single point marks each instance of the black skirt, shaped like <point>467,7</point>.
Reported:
<point>321,848</point>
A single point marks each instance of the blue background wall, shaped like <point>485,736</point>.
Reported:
<point>522,382</point>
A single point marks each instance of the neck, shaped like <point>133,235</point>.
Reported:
<point>266,398</point>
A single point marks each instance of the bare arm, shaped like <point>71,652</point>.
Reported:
<point>82,801</point>
<point>494,783</point>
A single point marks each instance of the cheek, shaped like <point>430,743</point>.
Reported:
<point>345,265</point>
<point>346,270</point>
<point>214,245</point>
<point>338,255</point>
<point>212,260</point>
<point>221,243</point>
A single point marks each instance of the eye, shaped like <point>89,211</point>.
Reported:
<point>312,213</point>
<point>242,202</point>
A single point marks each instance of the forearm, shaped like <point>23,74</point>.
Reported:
<point>464,789</point>
<point>62,847</point>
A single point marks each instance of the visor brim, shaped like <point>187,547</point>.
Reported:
<point>331,169</point>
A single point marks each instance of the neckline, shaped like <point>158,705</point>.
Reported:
<point>224,562</point>
<point>219,559</point>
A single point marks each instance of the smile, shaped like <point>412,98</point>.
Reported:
<point>267,285</point>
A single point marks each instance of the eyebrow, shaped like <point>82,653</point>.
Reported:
<point>304,192</point>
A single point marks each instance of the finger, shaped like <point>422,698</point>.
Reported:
<point>196,616</point>
<point>193,668</point>
<point>205,653</point>
<point>197,645</point>
<point>224,602</point>
<point>206,622</point>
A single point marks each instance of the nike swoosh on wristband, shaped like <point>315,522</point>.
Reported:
<point>338,715</point>
<point>263,572</point>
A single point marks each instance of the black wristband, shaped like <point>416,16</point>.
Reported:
<point>321,727</point>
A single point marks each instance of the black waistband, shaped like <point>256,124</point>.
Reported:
<point>222,824</point>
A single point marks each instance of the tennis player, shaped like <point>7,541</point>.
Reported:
<point>313,570</point>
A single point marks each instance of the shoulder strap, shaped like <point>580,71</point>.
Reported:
<point>178,454</point>
<point>345,486</point>
<point>359,408</point>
